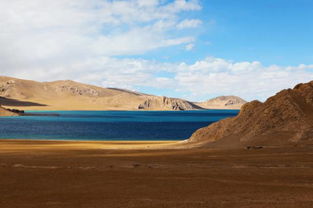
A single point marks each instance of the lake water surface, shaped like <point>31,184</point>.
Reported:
<point>110,125</point>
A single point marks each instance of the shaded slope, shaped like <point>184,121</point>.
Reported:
<point>14,102</point>
<point>286,118</point>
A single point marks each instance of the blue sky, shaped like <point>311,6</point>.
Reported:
<point>270,31</point>
<point>193,49</point>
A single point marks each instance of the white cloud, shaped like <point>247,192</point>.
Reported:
<point>189,47</point>
<point>79,39</point>
<point>198,81</point>
<point>250,80</point>
<point>189,23</point>
<point>58,32</point>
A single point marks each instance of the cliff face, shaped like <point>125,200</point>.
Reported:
<point>165,103</point>
<point>223,102</point>
<point>286,118</point>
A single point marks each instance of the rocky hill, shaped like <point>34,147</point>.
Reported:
<point>223,102</point>
<point>286,118</point>
<point>165,103</point>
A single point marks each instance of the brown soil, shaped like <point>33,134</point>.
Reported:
<point>58,174</point>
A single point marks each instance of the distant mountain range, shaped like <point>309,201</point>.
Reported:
<point>70,95</point>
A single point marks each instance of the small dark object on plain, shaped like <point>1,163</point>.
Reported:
<point>254,147</point>
<point>136,165</point>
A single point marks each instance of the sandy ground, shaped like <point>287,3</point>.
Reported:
<point>96,175</point>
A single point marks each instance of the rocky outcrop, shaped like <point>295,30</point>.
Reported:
<point>286,118</point>
<point>223,102</point>
<point>78,89</point>
<point>5,87</point>
<point>165,103</point>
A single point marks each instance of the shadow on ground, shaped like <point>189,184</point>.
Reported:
<point>14,102</point>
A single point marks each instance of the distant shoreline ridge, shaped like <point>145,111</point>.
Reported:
<point>70,95</point>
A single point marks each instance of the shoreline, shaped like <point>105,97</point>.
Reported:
<point>92,141</point>
<point>20,144</point>
<point>47,109</point>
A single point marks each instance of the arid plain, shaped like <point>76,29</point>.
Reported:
<point>67,174</point>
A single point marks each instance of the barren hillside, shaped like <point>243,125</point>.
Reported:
<point>70,95</point>
<point>286,118</point>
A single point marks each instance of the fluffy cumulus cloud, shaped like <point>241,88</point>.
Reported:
<point>198,81</point>
<point>250,80</point>
<point>84,40</point>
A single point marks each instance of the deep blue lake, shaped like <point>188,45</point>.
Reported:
<point>110,125</point>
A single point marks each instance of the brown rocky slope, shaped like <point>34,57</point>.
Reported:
<point>286,118</point>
